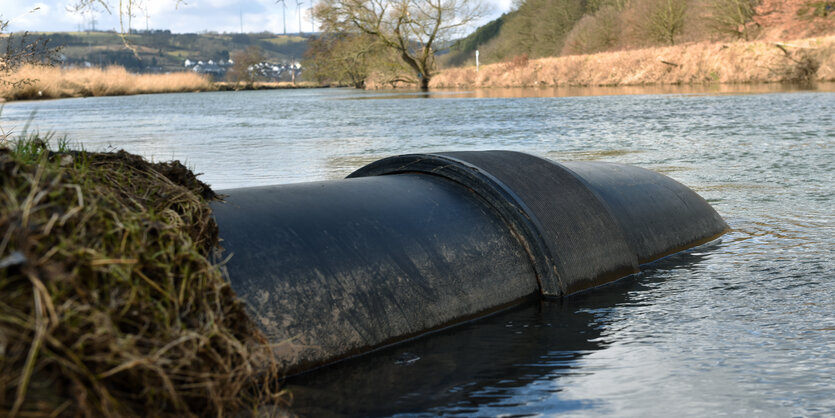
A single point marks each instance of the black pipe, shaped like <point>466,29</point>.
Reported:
<point>414,243</point>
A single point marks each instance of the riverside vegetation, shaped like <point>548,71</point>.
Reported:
<point>802,61</point>
<point>540,43</point>
<point>578,42</point>
<point>112,305</point>
<point>39,82</point>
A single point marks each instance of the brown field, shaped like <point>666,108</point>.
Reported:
<point>805,60</point>
<point>52,82</point>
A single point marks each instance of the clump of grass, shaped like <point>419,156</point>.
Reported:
<point>110,304</point>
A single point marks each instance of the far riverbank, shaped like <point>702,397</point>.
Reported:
<point>802,61</point>
<point>799,61</point>
<point>33,83</point>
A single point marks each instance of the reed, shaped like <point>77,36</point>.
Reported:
<point>53,82</point>
<point>806,60</point>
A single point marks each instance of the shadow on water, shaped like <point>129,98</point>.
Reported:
<point>503,364</point>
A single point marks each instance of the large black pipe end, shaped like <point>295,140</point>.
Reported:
<point>414,243</point>
<point>336,268</point>
<point>583,223</point>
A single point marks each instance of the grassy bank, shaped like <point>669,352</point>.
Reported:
<point>53,83</point>
<point>56,83</point>
<point>111,304</point>
<point>806,60</point>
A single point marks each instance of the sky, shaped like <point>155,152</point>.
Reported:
<point>191,16</point>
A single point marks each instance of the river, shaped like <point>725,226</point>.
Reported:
<point>742,326</point>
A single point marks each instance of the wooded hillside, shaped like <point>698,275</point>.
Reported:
<point>547,28</point>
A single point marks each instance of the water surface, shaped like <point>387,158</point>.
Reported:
<point>744,326</point>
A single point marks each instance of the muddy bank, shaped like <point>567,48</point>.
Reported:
<point>800,61</point>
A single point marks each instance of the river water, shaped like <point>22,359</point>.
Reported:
<point>743,326</point>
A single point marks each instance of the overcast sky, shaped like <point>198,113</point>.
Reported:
<point>190,16</point>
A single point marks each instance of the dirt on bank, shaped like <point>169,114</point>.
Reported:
<point>112,305</point>
<point>800,61</point>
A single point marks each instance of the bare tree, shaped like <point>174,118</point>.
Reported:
<point>412,28</point>
<point>245,67</point>
<point>664,19</point>
<point>20,50</point>
<point>124,8</point>
<point>342,58</point>
<point>732,16</point>
<point>595,5</point>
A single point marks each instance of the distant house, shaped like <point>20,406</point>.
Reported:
<point>267,70</point>
<point>209,68</point>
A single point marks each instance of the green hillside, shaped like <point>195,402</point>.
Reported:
<point>461,52</point>
<point>160,51</point>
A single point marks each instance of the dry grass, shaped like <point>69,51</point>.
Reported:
<point>111,305</point>
<point>698,63</point>
<point>265,85</point>
<point>52,82</point>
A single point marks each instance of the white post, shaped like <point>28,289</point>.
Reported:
<point>476,60</point>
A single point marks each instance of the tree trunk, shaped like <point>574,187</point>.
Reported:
<point>424,83</point>
<point>423,79</point>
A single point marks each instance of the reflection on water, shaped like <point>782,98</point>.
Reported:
<point>570,91</point>
<point>588,155</point>
<point>347,164</point>
<point>742,327</point>
<point>453,371</point>
<point>506,364</point>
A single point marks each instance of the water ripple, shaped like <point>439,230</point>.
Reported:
<point>744,326</point>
